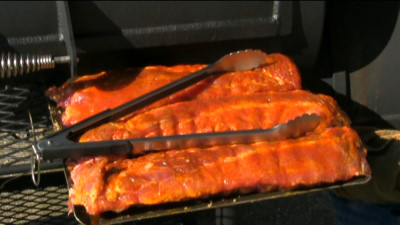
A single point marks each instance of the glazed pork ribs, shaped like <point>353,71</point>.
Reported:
<point>92,94</point>
<point>230,113</point>
<point>260,98</point>
<point>115,183</point>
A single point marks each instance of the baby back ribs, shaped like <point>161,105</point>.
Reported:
<point>92,94</point>
<point>336,154</point>
<point>230,113</point>
<point>259,98</point>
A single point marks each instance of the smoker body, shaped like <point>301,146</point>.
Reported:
<point>347,50</point>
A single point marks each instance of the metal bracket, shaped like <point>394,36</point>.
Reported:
<point>66,33</point>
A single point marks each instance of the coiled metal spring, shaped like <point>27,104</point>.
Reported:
<point>13,64</point>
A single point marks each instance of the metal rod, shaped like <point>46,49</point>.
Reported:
<point>13,64</point>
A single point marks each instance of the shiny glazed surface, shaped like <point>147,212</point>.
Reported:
<point>115,183</point>
<point>259,98</point>
<point>92,94</point>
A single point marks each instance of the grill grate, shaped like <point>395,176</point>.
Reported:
<point>35,206</point>
<point>22,203</point>
<point>18,105</point>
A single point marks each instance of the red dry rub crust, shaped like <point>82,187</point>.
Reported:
<point>108,183</point>
<point>230,113</point>
<point>259,98</point>
<point>92,94</point>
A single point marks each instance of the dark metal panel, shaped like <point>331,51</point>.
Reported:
<point>360,59</point>
<point>27,27</point>
<point>26,18</point>
<point>107,25</point>
<point>377,84</point>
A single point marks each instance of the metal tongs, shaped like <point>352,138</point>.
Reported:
<point>62,144</point>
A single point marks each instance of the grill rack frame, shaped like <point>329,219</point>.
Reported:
<point>21,202</point>
<point>24,118</point>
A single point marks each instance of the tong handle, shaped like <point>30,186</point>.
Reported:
<point>63,140</point>
<point>237,61</point>
<point>69,149</point>
<point>59,145</point>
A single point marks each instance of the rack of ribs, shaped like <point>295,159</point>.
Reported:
<point>91,94</point>
<point>230,113</point>
<point>106,183</point>
<point>253,99</point>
